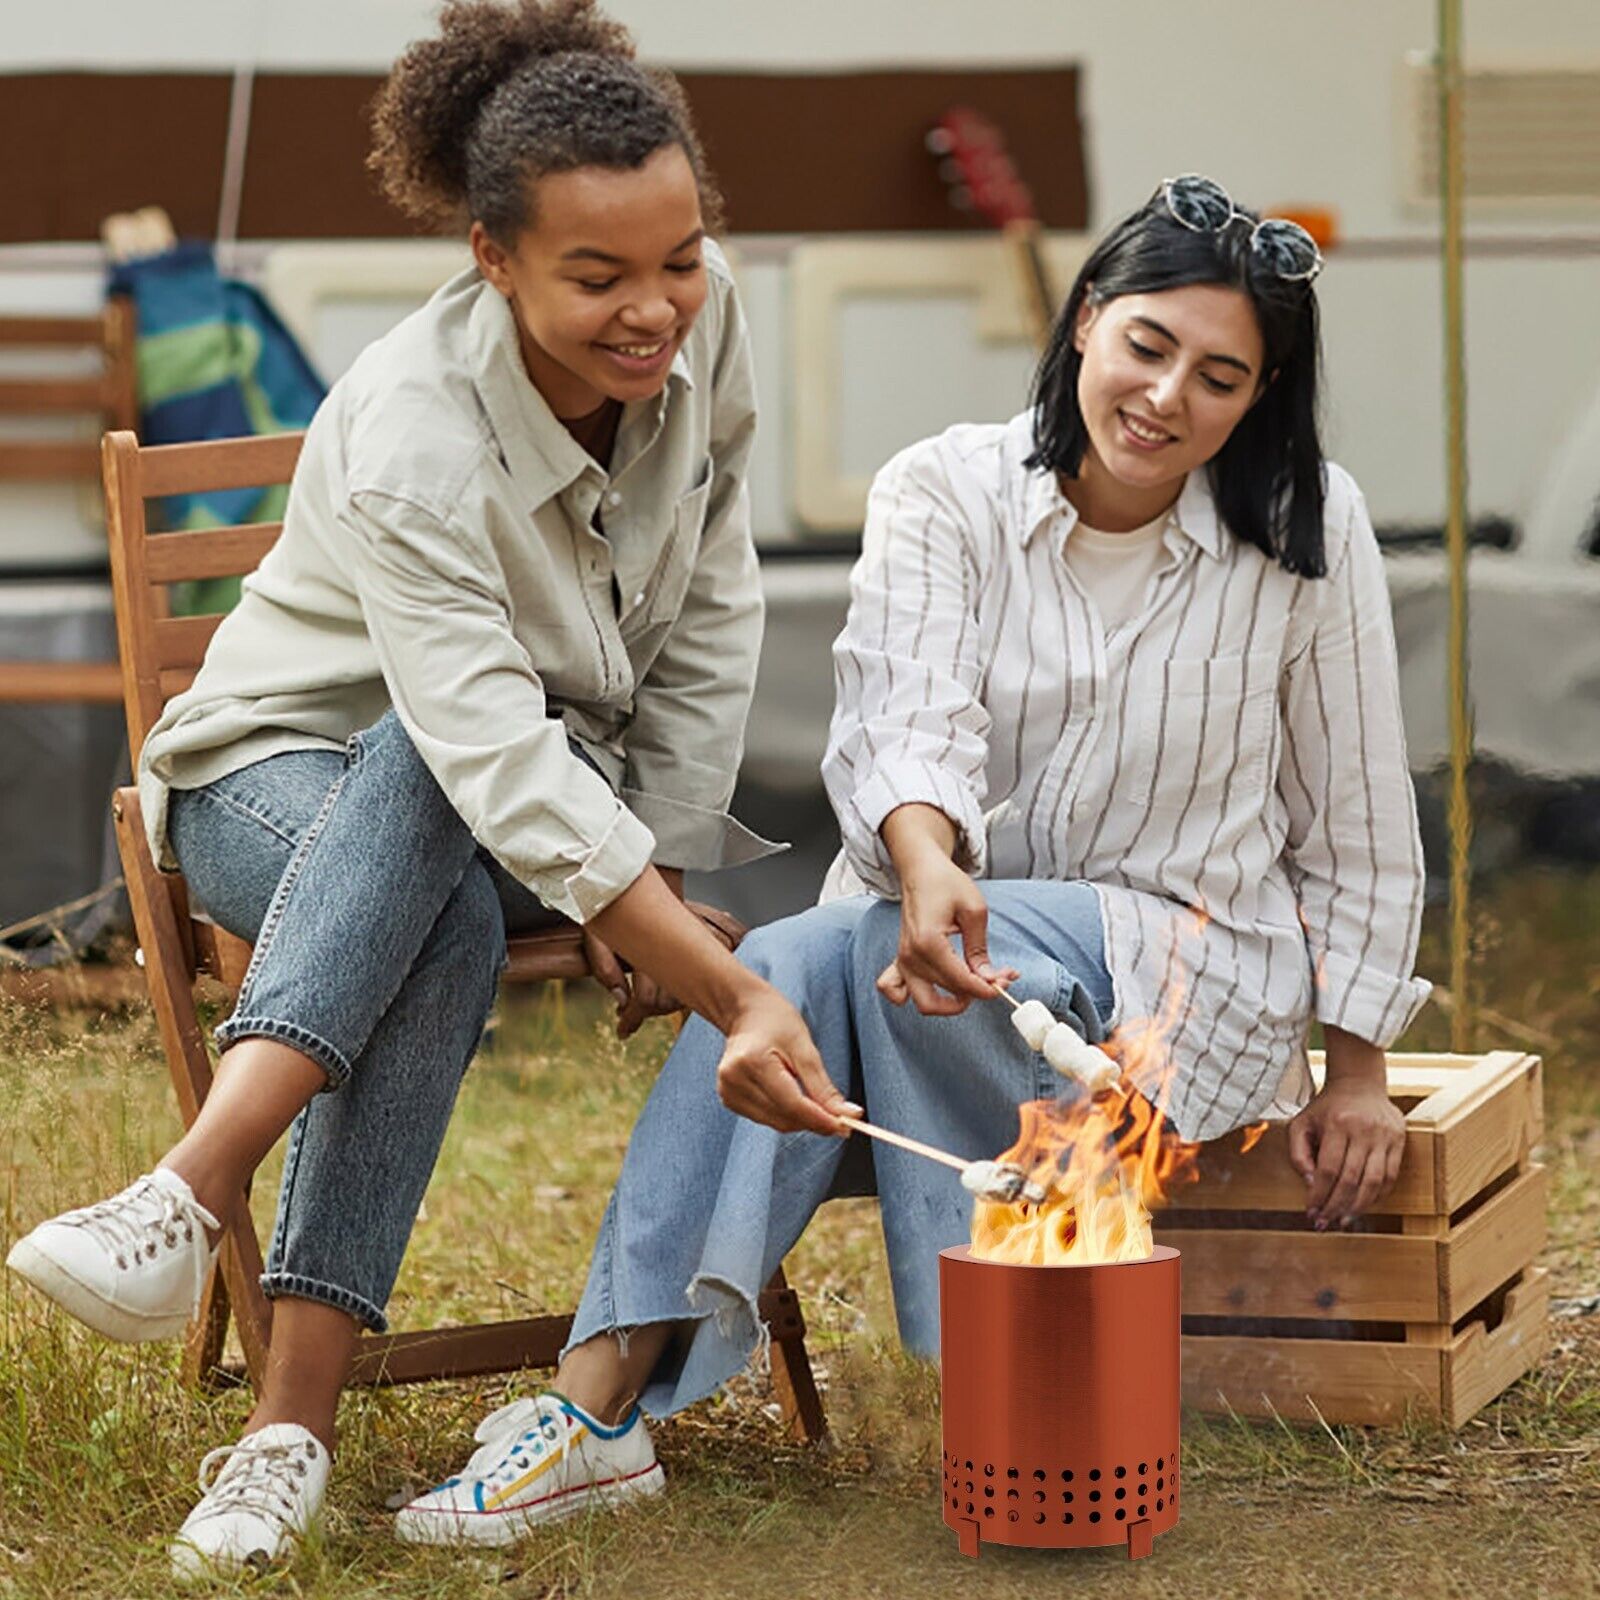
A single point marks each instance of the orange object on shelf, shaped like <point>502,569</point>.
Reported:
<point>1060,1401</point>
<point>1321,222</point>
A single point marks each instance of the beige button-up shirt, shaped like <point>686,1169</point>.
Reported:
<point>440,554</point>
<point>1226,767</point>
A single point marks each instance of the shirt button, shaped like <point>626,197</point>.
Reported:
<point>638,599</point>
<point>613,499</point>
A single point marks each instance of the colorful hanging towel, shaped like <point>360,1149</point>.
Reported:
<point>214,362</point>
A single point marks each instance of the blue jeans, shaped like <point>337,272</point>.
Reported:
<point>380,930</point>
<point>709,1204</point>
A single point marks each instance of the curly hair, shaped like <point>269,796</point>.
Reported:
<point>510,90</point>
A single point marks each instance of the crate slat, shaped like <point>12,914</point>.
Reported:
<point>1356,1277</point>
<point>1370,1382</point>
<point>1482,1364</point>
<point>1263,1180</point>
<point>1486,1125</point>
<point>1508,1231</point>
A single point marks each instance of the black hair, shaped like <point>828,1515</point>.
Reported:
<point>1268,478</point>
<point>508,92</point>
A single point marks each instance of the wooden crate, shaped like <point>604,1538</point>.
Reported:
<point>1430,1307</point>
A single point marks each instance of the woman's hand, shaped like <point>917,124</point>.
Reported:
<point>637,994</point>
<point>770,1070</point>
<point>1348,1143</point>
<point>937,899</point>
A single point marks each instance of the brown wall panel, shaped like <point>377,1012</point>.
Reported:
<point>827,153</point>
<point>80,144</point>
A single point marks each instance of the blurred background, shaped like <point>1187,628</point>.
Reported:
<point>885,297</point>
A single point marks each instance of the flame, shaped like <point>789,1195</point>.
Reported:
<point>1104,1163</point>
<point>1252,1137</point>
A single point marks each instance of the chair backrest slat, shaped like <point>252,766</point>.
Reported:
<point>219,464</point>
<point>54,396</point>
<point>51,330</point>
<point>210,553</point>
<point>182,641</point>
<point>161,653</point>
<point>48,459</point>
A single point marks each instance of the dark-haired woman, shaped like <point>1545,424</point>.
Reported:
<point>1116,706</point>
<point>494,673</point>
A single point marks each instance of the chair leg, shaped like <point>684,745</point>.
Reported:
<point>792,1379</point>
<point>207,1336</point>
<point>169,972</point>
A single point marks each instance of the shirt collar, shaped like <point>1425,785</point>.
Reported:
<point>1194,515</point>
<point>541,456</point>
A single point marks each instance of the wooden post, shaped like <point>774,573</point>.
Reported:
<point>1451,175</point>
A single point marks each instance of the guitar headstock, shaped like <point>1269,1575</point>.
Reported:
<point>977,168</point>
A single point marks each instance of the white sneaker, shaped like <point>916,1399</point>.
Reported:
<point>541,1460</point>
<point>131,1267</point>
<point>259,1497</point>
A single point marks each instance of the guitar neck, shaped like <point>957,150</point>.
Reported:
<point>1025,239</point>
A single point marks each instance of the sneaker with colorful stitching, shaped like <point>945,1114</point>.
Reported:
<point>539,1460</point>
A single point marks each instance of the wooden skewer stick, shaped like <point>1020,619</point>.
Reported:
<point>915,1146</point>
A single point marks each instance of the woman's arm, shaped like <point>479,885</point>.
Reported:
<point>908,726</point>
<point>1355,858</point>
<point>770,1070</point>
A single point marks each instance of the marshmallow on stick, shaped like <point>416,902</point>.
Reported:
<point>1060,1044</point>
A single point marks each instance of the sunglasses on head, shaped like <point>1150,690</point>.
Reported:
<point>1281,247</point>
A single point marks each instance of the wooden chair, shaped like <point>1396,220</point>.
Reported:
<point>160,654</point>
<point>111,397</point>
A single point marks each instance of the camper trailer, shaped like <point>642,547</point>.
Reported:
<point>871,332</point>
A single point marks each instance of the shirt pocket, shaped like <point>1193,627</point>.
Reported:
<point>1205,732</point>
<point>669,582</point>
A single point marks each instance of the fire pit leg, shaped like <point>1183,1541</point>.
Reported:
<point>1139,1539</point>
<point>967,1536</point>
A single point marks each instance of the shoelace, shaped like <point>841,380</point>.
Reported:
<point>124,1237</point>
<point>260,1478</point>
<point>535,1422</point>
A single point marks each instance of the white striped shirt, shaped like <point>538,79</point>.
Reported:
<point>1235,750</point>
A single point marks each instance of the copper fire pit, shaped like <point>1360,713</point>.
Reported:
<point>1060,1399</point>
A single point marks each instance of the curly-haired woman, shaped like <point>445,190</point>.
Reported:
<point>494,674</point>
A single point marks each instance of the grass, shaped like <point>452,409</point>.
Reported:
<point>99,1444</point>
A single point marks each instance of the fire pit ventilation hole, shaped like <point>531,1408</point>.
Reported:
<point>1011,1472</point>
<point>1038,1495</point>
<point>1038,1473</point>
<point>1121,1514</point>
<point>1122,1494</point>
<point>988,1511</point>
<point>988,1491</point>
<point>1094,1516</point>
<point>1142,1511</point>
<point>1121,1472</point>
<point>1013,1494</point>
<point>1158,1505</point>
<point>1011,1516</point>
<point>1094,1474</point>
<point>988,1468</point>
<point>1038,1516</point>
<point>1066,1497</point>
<point>1161,1462</point>
<point>1066,1477</point>
<point>1143,1469</point>
<point>1066,1516</point>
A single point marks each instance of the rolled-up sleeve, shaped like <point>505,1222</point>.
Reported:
<point>686,738</point>
<point>474,706</point>
<point>1353,847</point>
<point>908,726</point>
